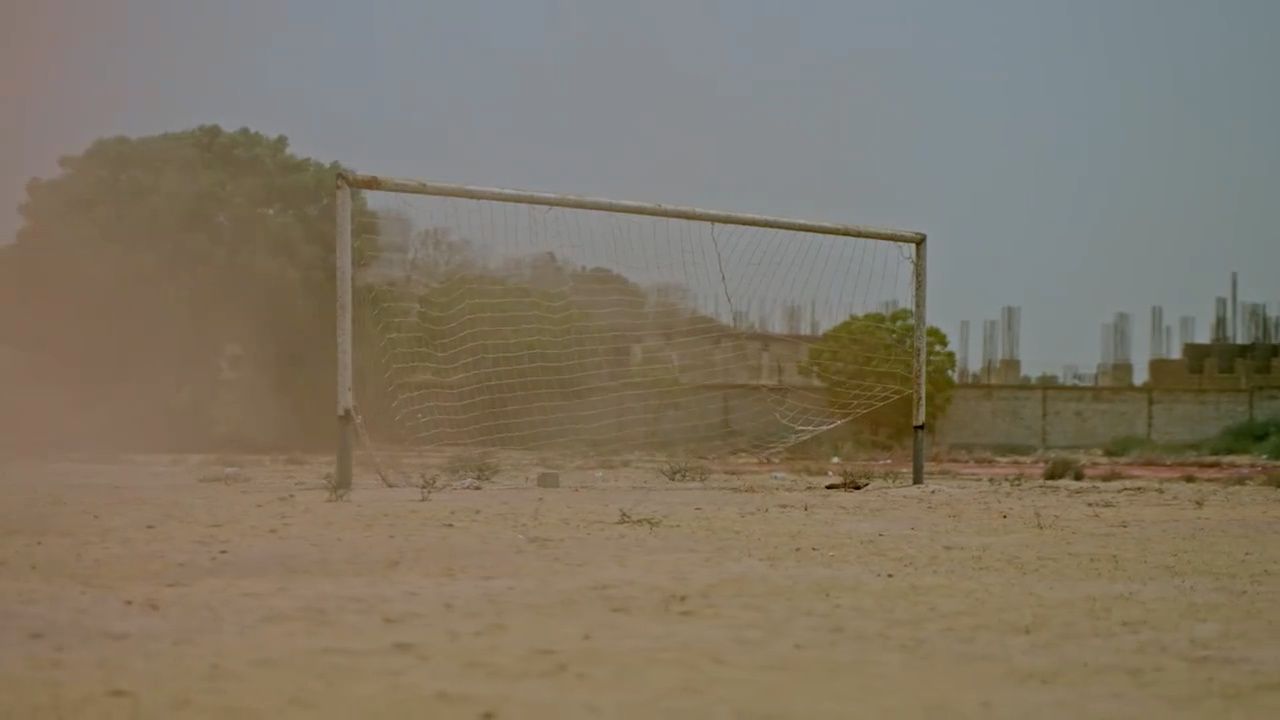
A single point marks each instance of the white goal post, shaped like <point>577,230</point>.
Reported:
<point>863,397</point>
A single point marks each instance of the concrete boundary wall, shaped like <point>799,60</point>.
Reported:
<point>1082,417</point>
<point>1091,417</point>
<point>1190,415</point>
<point>993,416</point>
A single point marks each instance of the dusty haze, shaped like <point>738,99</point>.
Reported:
<point>1076,160</point>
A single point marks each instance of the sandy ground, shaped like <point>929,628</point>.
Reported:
<point>134,590</point>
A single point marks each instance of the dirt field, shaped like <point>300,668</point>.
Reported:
<point>155,589</point>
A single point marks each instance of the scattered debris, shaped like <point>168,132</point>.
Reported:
<point>228,476</point>
<point>851,479</point>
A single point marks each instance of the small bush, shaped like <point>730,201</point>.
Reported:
<point>426,486</point>
<point>1246,438</point>
<point>1125,446</point>
<point>626,518</point>
<point>1061,468</point>
<point>853,479</point>
<point>1271,448</point>
<point>683,472</point>
<point>471,466</point>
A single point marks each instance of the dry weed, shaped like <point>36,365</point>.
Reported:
<point>684,472</point>
<point>1061,468</point>
<point>625,518</point>
<point>479,467</point>
<point>426,486</point>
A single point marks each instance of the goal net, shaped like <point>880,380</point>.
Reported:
<point>501,319</point>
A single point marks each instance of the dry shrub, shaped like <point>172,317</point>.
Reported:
<point>853,479</point>
<point>471,466</point>
<point>684,472</point>
<point>626,518</point>
<point>1061,468</point>
<point>426,486</point>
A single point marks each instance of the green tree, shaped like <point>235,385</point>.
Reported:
<point>869,356</point>
<point>144,257</point>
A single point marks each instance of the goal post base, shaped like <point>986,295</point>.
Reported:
<point>346,450</point>
<point>917,456</point>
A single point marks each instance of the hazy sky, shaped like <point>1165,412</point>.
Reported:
<point>1074,157</point>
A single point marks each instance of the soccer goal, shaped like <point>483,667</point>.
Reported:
<point>505,319</point>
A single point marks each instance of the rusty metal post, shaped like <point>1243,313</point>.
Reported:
<point>346,394</point>
<point>919,368</point>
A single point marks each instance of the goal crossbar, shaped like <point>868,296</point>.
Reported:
<point>347,181</point>
<point>578,202</point>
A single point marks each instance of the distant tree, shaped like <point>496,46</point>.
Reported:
<point>144,257</point>
<point>1047,379</point>
<point>868,353</point>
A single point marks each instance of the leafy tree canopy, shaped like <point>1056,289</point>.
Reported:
<point>870,356</point>
<point>143,257</point>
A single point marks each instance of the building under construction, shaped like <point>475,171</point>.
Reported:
<point>1116,366</point>
<point>1243,349</point>
<point>1001,351</point>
